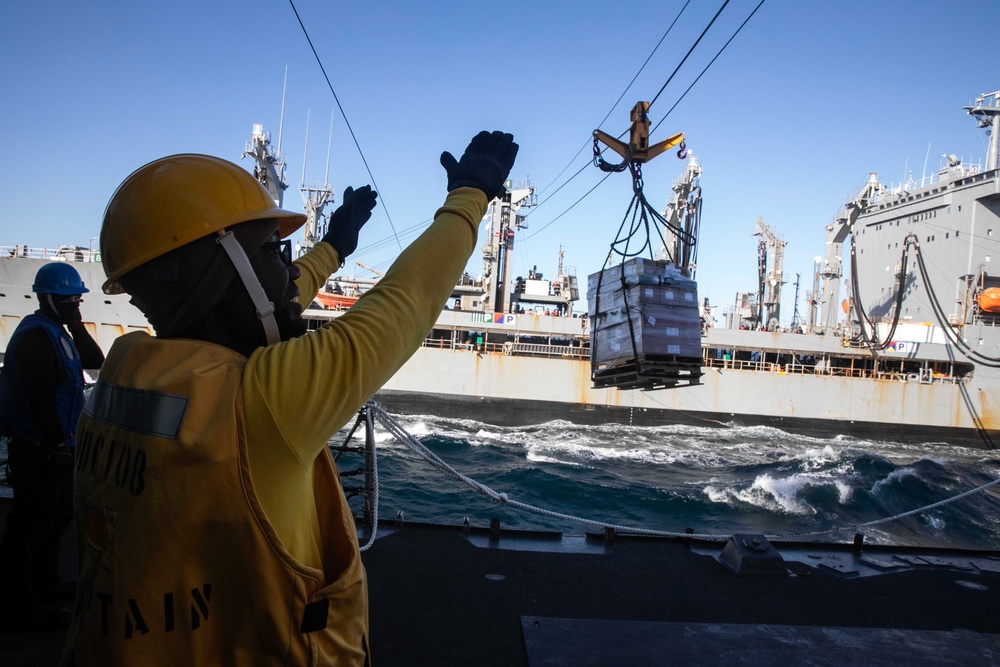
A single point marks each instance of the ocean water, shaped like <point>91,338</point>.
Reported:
<point>670,478</point>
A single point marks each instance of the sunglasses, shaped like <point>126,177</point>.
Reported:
<point>284,248</point>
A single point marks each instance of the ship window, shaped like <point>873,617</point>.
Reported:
<point>946,234</point>
<point>959,208</point>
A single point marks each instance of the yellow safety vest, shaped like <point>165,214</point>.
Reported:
<point>178,563</point>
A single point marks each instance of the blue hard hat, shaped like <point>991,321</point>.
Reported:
<point>58,278</point>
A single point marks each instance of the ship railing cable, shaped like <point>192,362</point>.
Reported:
<point>379,414</point>
<point>370,491</point>
<point>895,517</point>
<point>421,450</point>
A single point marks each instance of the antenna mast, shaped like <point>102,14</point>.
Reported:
<point>315,197</point>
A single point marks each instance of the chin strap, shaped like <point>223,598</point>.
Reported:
<point>265,308</point>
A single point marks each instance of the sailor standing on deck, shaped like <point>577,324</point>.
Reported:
<point>213,527</point>
<point>41,396</point>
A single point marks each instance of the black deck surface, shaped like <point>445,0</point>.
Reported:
<point>438,600</point>
<point>441,597</point>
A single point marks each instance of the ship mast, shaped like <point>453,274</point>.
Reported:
<point>771,282</point>
<point>315,197</point>
<point>986,110</point>
<point>270,163</point>
<point>836,234</point>
<point>498,253</point>
<point>683,212</point>
<point>270,167</point>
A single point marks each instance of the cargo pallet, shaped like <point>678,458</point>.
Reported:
<point>652,372</point>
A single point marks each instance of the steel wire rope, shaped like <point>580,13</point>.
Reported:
<point>381,243</point>
<point>618,101</point>
<point>688,54</point>
<point>346,121</point>
<point>421,450</point>
<point>710,62</point>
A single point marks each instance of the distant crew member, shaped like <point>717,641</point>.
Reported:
<point>214,529</point>
<point>41,396</point>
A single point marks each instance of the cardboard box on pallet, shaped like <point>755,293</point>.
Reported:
<point>632,267</point>
<point>645,290</point>
<point>645,282</point>
<point>658,339</point>
<point>662,306</point>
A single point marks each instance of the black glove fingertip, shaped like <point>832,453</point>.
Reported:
<point>448,161</point>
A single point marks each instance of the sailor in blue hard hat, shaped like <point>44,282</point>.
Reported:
<point>41,397</point>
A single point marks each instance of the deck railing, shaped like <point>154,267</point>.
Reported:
<point>68,253</point>
<point>799,369</point>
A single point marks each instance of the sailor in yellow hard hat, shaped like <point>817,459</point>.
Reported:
<point>212,526</point>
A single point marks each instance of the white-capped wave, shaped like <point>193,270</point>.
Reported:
<point>776,494</point>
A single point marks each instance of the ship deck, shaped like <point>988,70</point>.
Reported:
<point>440,596</point>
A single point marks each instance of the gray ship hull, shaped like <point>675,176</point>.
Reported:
<point>508,390</point>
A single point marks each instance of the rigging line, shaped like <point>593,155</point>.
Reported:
<point>707,66</point>
<point>374,245</point>
<point>618,101</point>
<point>403,233</point>
<point>681,64</point>
<point>568,209</point>
<point>344,115</point>
<point>568,180</point>
<point>745,21</point>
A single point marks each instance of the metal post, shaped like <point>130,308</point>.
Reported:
<point>369,513</point>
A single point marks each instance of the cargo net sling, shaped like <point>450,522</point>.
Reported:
<point>645,325</point>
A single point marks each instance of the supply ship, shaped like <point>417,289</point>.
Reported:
<point>917,358</point>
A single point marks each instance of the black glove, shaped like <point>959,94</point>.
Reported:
<point>485,165</point>
<point>347,221</point>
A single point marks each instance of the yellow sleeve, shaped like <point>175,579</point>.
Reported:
<point>316,266</point>
<point>311,386</point>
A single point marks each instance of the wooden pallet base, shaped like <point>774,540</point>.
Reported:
<point>678,372</point>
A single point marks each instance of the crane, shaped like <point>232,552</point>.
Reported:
<point>380,274</point>
<point>770,281</point>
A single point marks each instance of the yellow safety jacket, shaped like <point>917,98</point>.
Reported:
<point>211,522</point>
<point>179,563</point>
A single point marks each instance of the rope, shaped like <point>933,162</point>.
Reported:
<point>430,457</point>
<point>370,438</point>
<point>347,122</point>
<point>379,414</point>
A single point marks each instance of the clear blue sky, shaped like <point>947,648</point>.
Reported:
<point>788,122</point>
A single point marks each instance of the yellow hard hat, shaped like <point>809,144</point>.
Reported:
<point>175,200</point>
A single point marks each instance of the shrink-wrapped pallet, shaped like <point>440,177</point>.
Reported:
<point>645,327</point>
